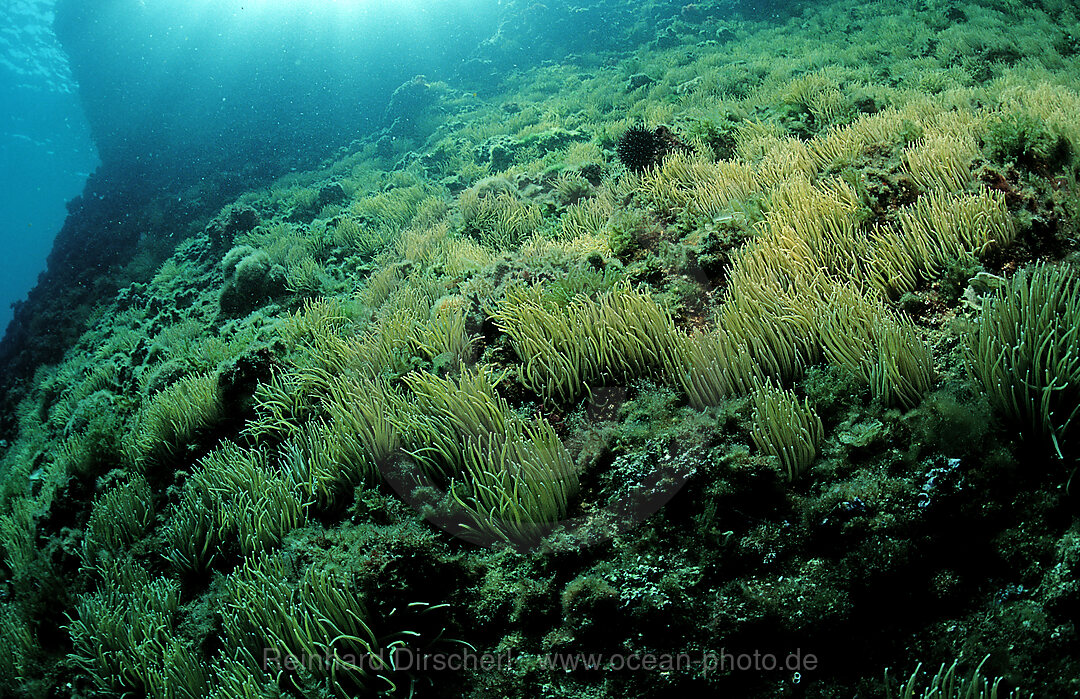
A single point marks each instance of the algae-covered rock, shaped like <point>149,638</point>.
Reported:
<point>250,280</point>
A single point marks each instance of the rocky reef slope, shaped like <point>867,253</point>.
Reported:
<point>476,410</point>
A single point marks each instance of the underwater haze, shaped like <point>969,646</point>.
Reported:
<point>560,348</point>
<point>175,89</point>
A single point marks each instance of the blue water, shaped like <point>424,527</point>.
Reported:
<point>45,147</point>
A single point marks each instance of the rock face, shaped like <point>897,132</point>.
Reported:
<point>575,31</point>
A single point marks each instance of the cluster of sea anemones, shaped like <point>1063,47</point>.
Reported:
<point>640,148</point>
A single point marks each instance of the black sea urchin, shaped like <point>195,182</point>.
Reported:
<point>639,148</point>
